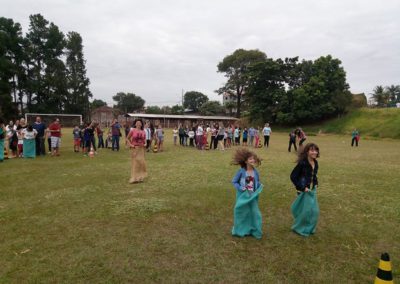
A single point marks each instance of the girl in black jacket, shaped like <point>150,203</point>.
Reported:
<point>305,208</point>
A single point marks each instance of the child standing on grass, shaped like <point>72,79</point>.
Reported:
<point>257,137</point>
<point>247,220</point>
<point>305,208</point>
<point>77,138</point>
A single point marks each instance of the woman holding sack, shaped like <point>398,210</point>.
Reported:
<point>305,208</point>
<point>136,140</point>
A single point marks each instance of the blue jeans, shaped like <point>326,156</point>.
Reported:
<point>115,142</point>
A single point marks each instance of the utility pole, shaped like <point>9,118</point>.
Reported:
<point>182,97</point>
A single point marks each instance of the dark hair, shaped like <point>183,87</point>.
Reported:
<point>242,155</point>
<point>136,120</point>
<point>29,128</point>
<point>303,151</point>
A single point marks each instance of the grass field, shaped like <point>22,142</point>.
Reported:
<point>75,219</point>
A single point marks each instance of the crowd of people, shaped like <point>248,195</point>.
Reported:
<point>29,141</point>
<point>218,136</point>
<point>23,140</point>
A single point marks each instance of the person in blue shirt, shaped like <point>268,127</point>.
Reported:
<point>247,220</point>
<point>40,127</point>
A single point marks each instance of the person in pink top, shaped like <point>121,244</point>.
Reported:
<point>136,140</point>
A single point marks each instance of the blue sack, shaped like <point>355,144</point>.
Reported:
<point>247,220</point>
<point>305,210</point>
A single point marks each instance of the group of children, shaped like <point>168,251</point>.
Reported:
<point>247,219</point>
<point>218,136</point>
<point>85,141</point>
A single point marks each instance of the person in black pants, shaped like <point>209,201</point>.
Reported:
<point>292,141</point>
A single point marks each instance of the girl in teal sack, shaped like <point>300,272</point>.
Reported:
<point>305,209</point>
<point>247,220</point>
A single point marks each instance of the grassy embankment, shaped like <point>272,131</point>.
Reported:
<point>372,123</point>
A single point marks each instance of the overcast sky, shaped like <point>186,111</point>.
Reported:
<point>156,49</point>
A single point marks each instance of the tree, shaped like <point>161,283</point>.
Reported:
<point>235,67</point>
<point>393,93</point>
<point>194,100</point>
<point>97,103</point>
<point>265,89</point>
<point>211,108</point>
<point>36,48</point>
<point>55,77</point>
<point>229,106</point>
<point>10,58</point>
<point>153,110</point>
<point>78,84</point>
<point>380,96</point>
<point>316,90</point>
<point>128,102</point>
<point>177,109</point>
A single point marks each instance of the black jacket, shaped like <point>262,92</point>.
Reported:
<point>303,176</point>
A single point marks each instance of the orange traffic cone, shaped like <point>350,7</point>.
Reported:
<point>155,149</point>
<point>91,153</point>
<point>384,274</point>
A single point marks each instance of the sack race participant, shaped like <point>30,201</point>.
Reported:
<point>305,208</point>
<point>29,142</point>
<point>137,142</point>
<point>247,220</point>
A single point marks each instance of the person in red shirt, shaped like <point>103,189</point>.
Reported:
<point>136,140</point>
<point>55,136</point>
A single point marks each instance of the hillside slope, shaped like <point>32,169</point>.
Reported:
<point>382,123</point>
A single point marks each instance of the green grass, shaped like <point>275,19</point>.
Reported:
<point>372,123</point>
<point>76,219</point>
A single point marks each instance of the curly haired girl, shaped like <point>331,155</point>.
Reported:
<point>247,216</point>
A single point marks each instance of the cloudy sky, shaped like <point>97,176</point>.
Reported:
<point>158,49</point>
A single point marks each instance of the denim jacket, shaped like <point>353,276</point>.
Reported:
<point>239,180</point>
<point>303,176</point>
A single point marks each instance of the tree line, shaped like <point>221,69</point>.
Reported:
<point>387,96</point>
<point>42,71</point>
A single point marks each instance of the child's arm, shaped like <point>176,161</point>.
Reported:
<point>295,176</point>
<point>236,181</point>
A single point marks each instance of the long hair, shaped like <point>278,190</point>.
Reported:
<point>242,155</point>
<point>303,151</point>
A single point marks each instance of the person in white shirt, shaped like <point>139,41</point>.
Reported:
<point>267,133</point>
<point>29,143</point>
<point>147,131</point>
<point>199,137</point>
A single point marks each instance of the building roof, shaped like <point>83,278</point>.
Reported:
<point>177,116</point>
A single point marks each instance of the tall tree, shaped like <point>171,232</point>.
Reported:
<point>55,77</point>
<point>235,67</point>
<point>78,83</point>
<point>194,100</point>
<point>37,38</point>
<point>128,102</point>
<point>10,57</point>
<point>266,89</point>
